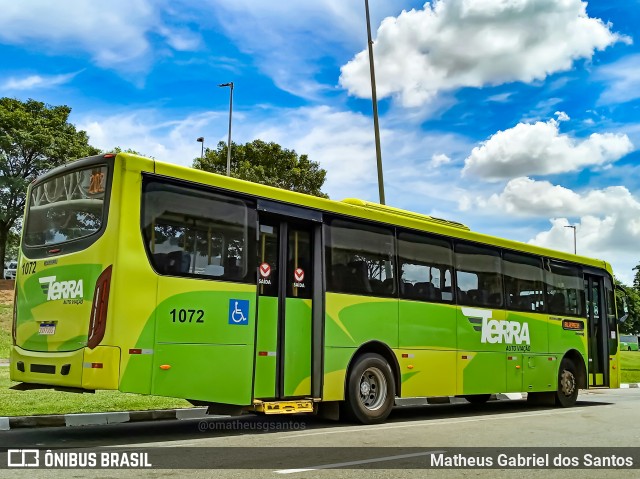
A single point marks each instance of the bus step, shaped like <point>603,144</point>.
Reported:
<point>284,407</point>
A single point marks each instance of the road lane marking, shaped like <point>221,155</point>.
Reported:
<point>433,422</point>
<point>356,463</point>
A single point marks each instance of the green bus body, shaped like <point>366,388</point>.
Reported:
<point>185,300</point>
<point>628,343</point>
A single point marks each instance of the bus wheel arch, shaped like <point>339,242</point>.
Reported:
<point>581,369</point>
<point>383,350</point>
<point>370,384</point>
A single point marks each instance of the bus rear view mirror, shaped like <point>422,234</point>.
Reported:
<point>622,302</point>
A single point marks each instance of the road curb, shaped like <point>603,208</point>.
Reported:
<point>100,418</point>
<point>103,418</point>
<point>630,386</point>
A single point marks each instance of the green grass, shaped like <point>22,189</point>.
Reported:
<point>47,401</point>
<point>630,366</point>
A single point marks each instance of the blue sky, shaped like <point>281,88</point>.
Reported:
<point>516,117</point>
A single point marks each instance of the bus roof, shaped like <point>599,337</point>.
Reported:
<point>351,207</point>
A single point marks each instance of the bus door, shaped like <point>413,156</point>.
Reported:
<point>598,331</point>
<point>290,301</point>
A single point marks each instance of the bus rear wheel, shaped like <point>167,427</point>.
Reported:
<point>371,390</point>
<point>567,392</point>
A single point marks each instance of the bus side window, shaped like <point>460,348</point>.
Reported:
<point>359,258</point>
<point>523,278</point>
<point>425,267</point>
<point>478,275</point>
<point>192,232</point>
<point>564,289</point>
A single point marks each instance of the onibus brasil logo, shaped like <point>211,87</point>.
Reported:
<point>54,290</point>
<point>497,331</point>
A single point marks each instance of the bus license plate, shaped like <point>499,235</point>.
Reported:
<point>47,328</point>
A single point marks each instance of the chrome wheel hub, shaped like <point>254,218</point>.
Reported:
<point>373,389</point>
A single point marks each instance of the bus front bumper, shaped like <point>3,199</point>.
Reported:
<point>84,369</point>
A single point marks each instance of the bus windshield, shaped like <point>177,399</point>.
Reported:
<point>67,207</point>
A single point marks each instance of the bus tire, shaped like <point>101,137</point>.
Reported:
<point>567,392</point>
<point>371,391</point>
<point>477,398</point>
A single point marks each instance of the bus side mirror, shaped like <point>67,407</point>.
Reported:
<point>622,304</point>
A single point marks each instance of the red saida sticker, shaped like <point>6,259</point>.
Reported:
<point>265,270</point>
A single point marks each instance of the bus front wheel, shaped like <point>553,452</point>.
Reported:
<point>567,393</point>
<point>371,390</point>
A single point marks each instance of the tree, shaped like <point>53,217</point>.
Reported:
<point>13,244</point>
<point>632,323</point>
<point>268,164</point>
<point>34,137</point>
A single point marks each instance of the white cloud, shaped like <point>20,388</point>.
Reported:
<point>612,238</point>
<point>290,41</point>
<point>33,82</point>
<point>500,97</point>
<point>608,219</point>
<point>341,141</point>
<point>623,78</point>
<point>439,159</point>
<point>471,43</point>
<point>527,197</point>
<point>148,132</point>
<point>540,148</point>
<point>114,33</point>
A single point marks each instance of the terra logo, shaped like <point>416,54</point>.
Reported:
<point>499,331</point>
<point>61,289</point>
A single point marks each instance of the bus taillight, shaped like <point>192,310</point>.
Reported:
<point>98,322</point>
<point>15,315</point>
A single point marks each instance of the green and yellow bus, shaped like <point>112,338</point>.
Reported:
<point>152,278</point>
<point>628,342</point>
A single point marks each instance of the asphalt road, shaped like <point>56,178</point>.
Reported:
<point>295,446</point>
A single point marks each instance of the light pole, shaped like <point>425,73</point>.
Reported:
<point>575,246</point>
<point>230,85</point>
<point>200,139</point>
<point>374,100</point>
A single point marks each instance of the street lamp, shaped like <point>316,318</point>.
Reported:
<point>230,85</point>
<point>374,100</point>
<point>575,247</point>
<point>200,139</point>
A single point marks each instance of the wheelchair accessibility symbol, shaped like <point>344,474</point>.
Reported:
<point>238,311</point>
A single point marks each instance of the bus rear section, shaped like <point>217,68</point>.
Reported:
<point>63,280</point>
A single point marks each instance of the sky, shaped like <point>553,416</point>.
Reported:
<point>516,117</point>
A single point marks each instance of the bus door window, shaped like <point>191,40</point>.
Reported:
<point>611,316</point>
<point>268,248</point>
<point>299,273</point>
